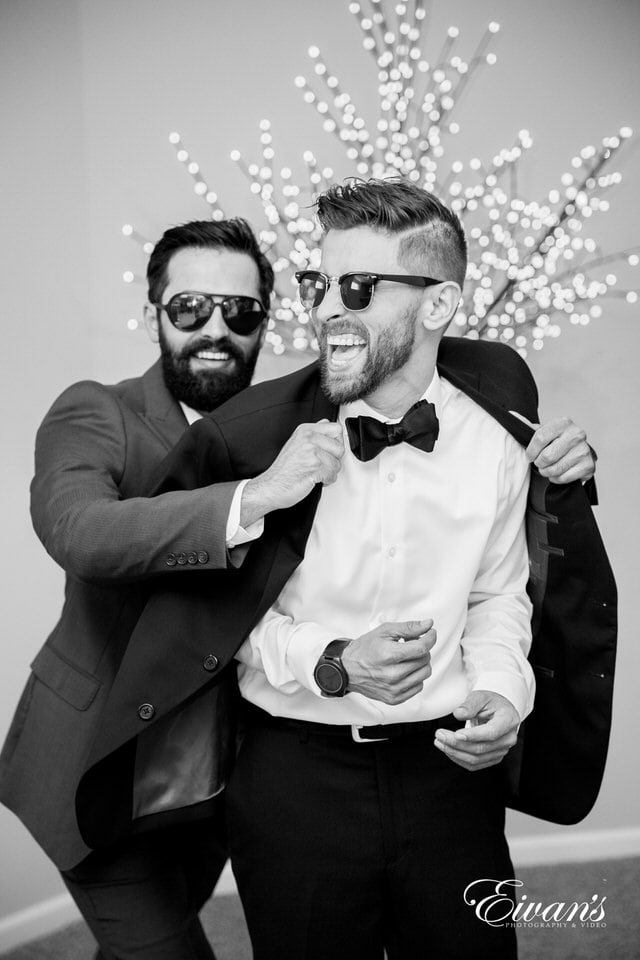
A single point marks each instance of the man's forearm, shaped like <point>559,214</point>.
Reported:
<point>108,540</point>
<point>258,499</point>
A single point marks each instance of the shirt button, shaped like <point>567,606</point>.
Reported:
<point>192,557</point>
<point>210,662</point>
<point>146,711</point>
<point>203,557</point>
<point>391,477</point>
<point>181,558</point>
<point>392,551</point>
<point>171,560</point>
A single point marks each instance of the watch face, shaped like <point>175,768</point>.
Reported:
<point>329,678</point>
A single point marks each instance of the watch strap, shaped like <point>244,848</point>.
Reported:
<point>334,650</point>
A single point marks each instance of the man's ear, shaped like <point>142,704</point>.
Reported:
<point>438,309</point>
<point>151,322</point>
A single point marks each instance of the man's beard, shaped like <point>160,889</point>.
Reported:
<point>205,390</point>
<point>392,351</point>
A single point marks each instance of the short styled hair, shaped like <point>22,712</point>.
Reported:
<point>433,240</point>
<point>234,234</point>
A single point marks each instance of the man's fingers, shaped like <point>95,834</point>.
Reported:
<point>328,469</point>
<point>554,440</point>
<point>541,439</point>
<point>316,431</point>
<point>472,761</point>
<point>398,650</point>
<point>573,473</point>
<point>330,446</point>
<point>457,739</point>
<point>328,429</point>
<point>406,673</point>
<point>577,464</point>
<point>405,629</point>
<point>318,436</point>
<point>483,749</point>
<point>566,450</point>
<point>333,444</point>
<point>554,451</point>
<point>313,453</point>
<point>404,692</point>
<point>495,730</point>
<point>481,738</point>
<point>535,446</point>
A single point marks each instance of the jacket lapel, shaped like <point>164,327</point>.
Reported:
<point>160,412</point>
<point>471,386</point>
<point>291,528</point>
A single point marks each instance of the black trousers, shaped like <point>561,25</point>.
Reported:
<point>142,897</point>
<point>346,850</point>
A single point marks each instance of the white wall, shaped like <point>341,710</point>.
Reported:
<point>91,91</point>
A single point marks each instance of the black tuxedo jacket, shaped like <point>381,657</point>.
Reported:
<point>96,452</point>
<point>555,771</point>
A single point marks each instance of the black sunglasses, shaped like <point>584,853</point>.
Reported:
<point>356,289</point>
<point>190,311</point>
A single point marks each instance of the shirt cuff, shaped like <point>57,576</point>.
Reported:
<point>235,534</point>
<point>519,691</point>
<point>306,645</point>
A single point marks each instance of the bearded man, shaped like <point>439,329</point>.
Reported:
<point>142,875</point>
<point>382,623</point>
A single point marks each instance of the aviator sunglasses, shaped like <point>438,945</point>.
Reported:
<point>356,289</point>
<point>190,311</point>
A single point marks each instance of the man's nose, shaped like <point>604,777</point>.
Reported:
<point>331,305</point>
<point>215,327</point>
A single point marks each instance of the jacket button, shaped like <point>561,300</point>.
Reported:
<point>171,560</point>
<point>192,557</point>
<point>210,662</point>
<point>181,558</point>
<point>203,557</point>
<point>146,711</point>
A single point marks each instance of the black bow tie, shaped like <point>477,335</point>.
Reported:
<point>419,427</point>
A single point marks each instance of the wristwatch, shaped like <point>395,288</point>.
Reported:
<point>329,673</point>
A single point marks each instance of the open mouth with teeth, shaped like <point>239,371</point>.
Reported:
<point>344,348</point>
<point>214,357</point>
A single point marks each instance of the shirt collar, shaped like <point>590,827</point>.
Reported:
<point>190,414</point>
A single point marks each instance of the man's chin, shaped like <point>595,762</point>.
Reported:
<point>214,387</point>
<point>205,390</point>
<point>342,386</point>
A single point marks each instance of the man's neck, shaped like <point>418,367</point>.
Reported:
<point>403,388</point>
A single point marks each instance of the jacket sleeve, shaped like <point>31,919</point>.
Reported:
<point>79,512</point>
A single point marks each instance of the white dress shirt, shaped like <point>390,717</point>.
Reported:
<point>409,536</point>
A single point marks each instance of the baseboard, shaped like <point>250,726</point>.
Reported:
<point>575,846</point>
<point>50,915</point>
<point>571,846</point>
<point>37,921</point>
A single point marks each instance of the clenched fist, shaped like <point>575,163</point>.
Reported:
<point>312,454</point>
<point>391,662</point>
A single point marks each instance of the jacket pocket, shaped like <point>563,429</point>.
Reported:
<point>78,689</point>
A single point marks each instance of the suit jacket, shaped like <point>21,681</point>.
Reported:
<point>241,439</point>
<point>95,453</point>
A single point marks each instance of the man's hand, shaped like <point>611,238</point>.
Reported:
<point>312,454</point>
<point>560,451</point>
<point>391,662</point>
<point>493,731</point>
